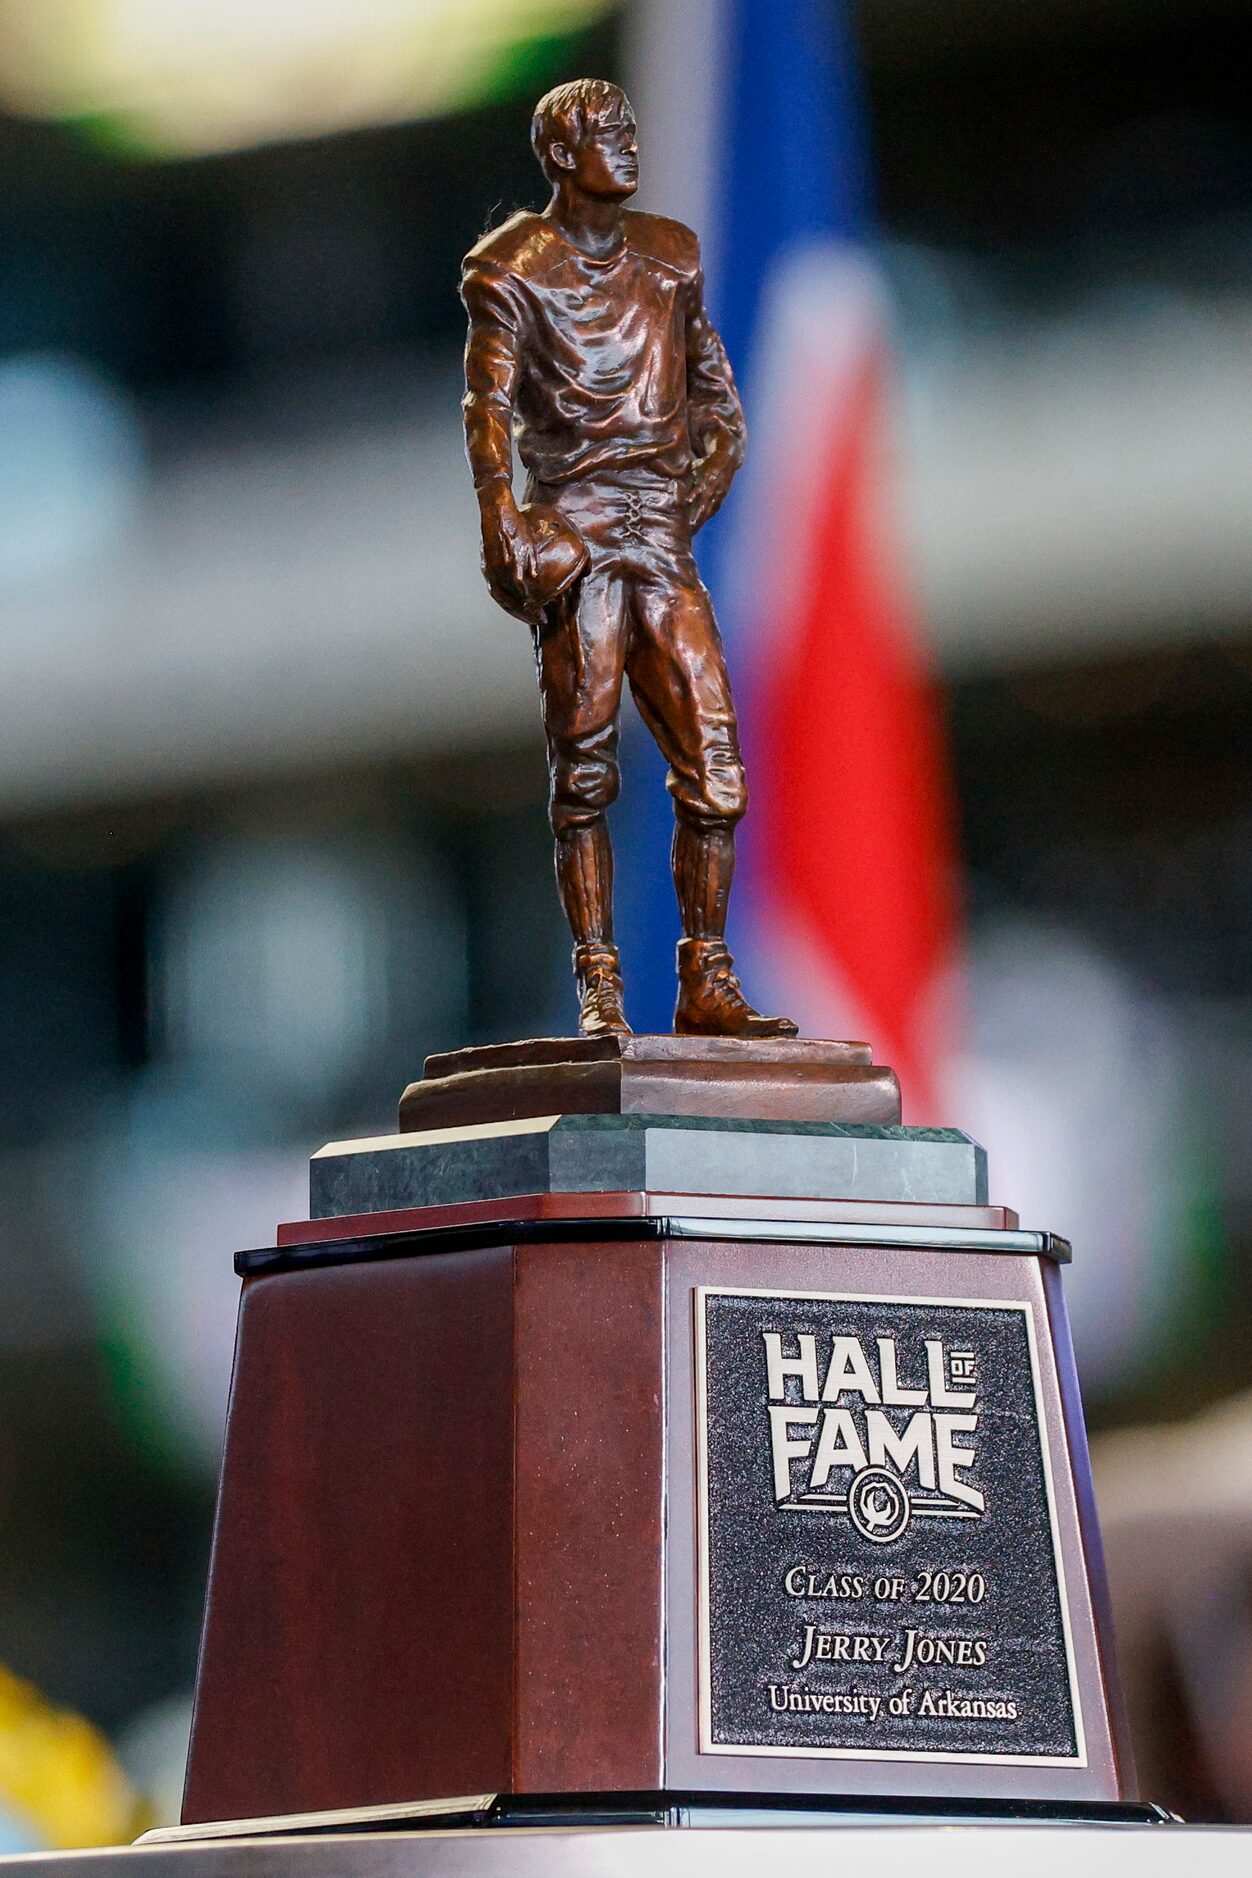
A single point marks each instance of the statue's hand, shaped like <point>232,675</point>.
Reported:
<point>711,482</point>
<point>508,549</point>
<point>531,555</point>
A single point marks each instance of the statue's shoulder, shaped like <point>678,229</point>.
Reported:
<point>660,239</point>
<point>523,245</point>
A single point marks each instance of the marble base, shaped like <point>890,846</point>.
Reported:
<point>642,1153</point>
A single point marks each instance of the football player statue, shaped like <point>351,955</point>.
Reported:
<point>589,339</point>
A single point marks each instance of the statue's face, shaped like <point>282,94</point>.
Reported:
<point>605,162</point>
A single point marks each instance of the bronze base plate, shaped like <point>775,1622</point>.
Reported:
<point>786,1079</point>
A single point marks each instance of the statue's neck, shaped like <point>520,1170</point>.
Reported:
<point>592,223</point>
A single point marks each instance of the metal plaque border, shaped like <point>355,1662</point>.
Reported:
<point>703,1644</point>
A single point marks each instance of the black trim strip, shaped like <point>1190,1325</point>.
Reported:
<point>423,1242</point>
<point>672,1808</point>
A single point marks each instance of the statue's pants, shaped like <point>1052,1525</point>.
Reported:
<point>639,612</point>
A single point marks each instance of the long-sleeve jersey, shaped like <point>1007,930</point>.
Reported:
<point>597,364</point>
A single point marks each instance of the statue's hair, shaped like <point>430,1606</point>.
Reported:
<point>564,114</point>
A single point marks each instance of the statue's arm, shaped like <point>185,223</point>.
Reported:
<point>715,416</point>
<point>492,367</point>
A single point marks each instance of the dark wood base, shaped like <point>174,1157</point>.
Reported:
<point>456,1540</point>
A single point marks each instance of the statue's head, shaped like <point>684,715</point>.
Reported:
<point>584,135</point>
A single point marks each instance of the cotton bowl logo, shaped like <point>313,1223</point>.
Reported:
<point>879,1505</point>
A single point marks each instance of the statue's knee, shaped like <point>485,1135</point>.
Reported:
<point>724,796</point>
<point>732,798</point>
<point>582,791</point>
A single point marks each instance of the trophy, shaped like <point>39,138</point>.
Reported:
<point>652,1431</point>
<point>650,1415</point>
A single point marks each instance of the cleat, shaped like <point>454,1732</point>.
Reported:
<point>598,970</point>
<point>710,998</point>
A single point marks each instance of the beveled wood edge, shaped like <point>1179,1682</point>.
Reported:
<point>1091,1539</point>
<point>646,1205</point>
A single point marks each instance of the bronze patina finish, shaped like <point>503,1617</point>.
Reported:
<point>784,1079</point>
<point>589,339</point>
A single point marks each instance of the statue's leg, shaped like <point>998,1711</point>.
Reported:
<point>679,680</point>
<point>703,861</point>
<point>678,676</point>
<point>579,651</point>
<point>584,878</point>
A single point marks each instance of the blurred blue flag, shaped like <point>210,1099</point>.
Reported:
<point>843,912</point>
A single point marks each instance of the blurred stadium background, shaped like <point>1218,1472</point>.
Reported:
<point>272,786</point>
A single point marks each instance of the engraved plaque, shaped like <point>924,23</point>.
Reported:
<point>880,1574</point>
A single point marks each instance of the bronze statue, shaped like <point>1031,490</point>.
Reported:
<point>589,336</point>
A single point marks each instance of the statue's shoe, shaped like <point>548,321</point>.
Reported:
<point>598,970</point>
<point>710,998</point>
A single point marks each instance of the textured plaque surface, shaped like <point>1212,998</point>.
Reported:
<point>880,1570</point>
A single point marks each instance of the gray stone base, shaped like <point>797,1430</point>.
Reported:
<point>640,1153</point>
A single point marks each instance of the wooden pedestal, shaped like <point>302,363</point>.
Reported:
<point>457,1544</point>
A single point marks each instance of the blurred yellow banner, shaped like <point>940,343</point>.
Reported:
<point>181,77</point>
